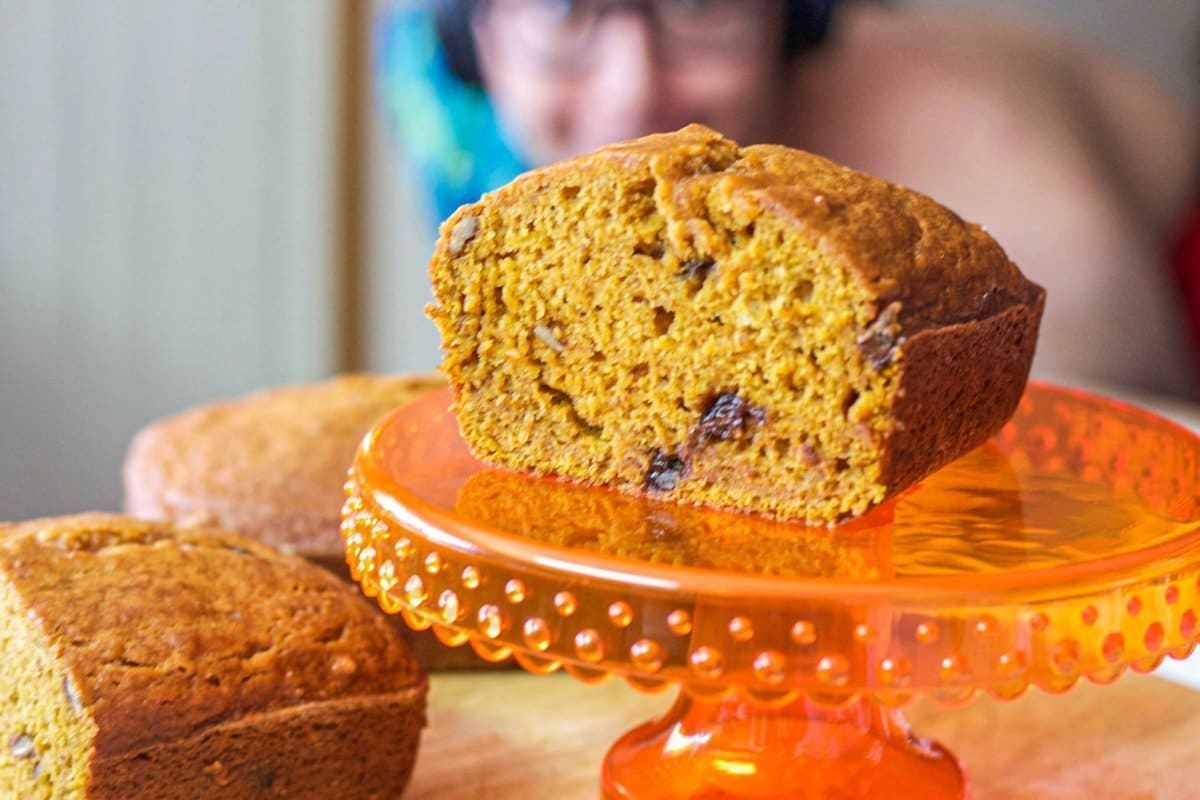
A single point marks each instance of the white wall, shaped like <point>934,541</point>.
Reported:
<point>165,234</point>
<point>399,336</point>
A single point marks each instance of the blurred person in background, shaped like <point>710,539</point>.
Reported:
<point>1077,164</point>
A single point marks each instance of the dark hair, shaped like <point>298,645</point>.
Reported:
<point>806,23</point>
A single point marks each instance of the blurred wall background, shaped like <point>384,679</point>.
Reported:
<point>166,223</point>
<point>1161,36</point>
<point>198,198</point>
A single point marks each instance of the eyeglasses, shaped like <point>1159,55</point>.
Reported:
<point>562,33</point>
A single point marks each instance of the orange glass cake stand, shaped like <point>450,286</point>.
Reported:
<point>1067,547</point>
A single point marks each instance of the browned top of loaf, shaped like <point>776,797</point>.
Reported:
<point>271,464</point>
<point>168,632</point>
<point>901,244</point>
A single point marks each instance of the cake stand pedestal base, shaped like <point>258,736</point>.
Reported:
<point>737,748</point>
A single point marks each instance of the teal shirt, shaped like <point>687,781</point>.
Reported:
<point>447,130</point>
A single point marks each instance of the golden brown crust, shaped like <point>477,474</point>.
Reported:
<point>166,635</point>
<point>353,749</point>
<point>270,465</point>
<point>902,245</point>
<point>982,365</point>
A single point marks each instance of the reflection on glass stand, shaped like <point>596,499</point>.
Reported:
<point>1066,547</point>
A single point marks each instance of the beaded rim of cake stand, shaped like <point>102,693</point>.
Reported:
<point>949,654</point>
<point>948,644</point>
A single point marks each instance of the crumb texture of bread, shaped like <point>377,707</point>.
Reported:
<point>145,661</point>
<point>754,328</point>
<point>270,465</point>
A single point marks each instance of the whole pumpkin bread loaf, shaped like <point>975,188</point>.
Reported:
<point>754,328</point>
<point>146,662</point>
<point>271,465</point>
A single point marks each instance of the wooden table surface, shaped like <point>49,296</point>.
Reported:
<point>510,736</point>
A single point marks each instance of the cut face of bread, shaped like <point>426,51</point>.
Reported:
<point>752,328</point>
<point>47,735</point>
